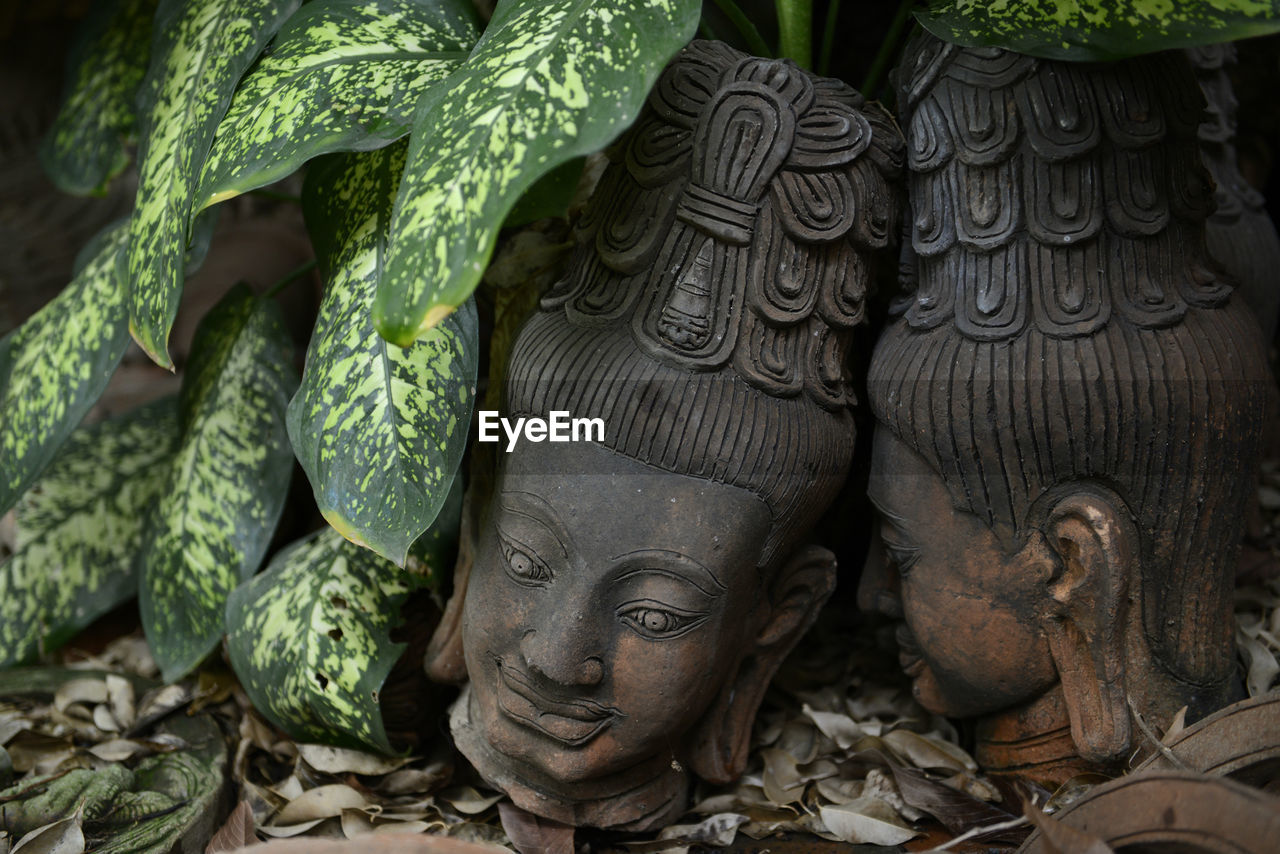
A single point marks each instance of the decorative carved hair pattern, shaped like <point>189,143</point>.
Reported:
<point>1239,233</point>
<point>1065,324</point>
<point>722,264</point>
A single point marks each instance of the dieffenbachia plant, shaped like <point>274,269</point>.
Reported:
<point>1088,30</point>
<point>420,127</point>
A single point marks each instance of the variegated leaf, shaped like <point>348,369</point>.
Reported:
<point>198,54</point>
<point>55,365</point>
<point>310,638</point>
<point>85,148</point>
<point>343,75</point>
<point>550,80</point>
<point>227,483</point>
<point>1072,30</point>
<point>379,429</point>
<point>79,528</point>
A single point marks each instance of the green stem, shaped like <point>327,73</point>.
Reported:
<point>704,29</point>
<point>290,278</point>
<point>829,38</point>
<point>755,43</point>
<point>888,48</point>
<point>795,30</point>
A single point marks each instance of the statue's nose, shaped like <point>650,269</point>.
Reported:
<point>562,655</point>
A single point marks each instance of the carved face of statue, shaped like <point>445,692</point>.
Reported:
<point>971,636</point>
<point>608,605</point>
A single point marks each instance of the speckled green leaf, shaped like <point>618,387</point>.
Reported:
<point>379,429</point>
<point>225,486</point>
<point>310,637</point>
<point>85,148</point>
<point>550,80</point>
<point>79,528</point>
<point>55,365</point>
<point>343,75</point>
<point>198,54</point>
<point>1087,30</point>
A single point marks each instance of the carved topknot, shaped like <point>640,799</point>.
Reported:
<point>753,171</point>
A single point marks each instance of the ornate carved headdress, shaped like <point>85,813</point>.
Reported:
<point>722,263</point>
<point>1063,322</point>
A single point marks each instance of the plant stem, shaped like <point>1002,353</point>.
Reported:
<point>739,19</point>
<point>795,30</point>
<point>704,29</point>
<point>888,48</point>
<point>829,38</point>
<point>290,278</point>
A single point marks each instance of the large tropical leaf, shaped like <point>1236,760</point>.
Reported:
<point>198,53</point>
<point>310,638</point>
<point>550,80</point>
<point>1087,30</point>
<point>343,75</point>
<point>379,429</point>
<point>55,365</point>
<point>79,528</point>
<point>85,148</point>
<point>227,483</point>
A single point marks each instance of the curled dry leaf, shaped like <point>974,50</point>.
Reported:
<point>319,803</point>
<point>531,834</point>
<point>467,800</point>
<point>412,781</point>
<point>82,691</point>
<point>60,837</point>
<point>236,832</point>
<point>1059,838</point>
<point>119,749</point>
<point>338,760</point>
<point>716,831</point>
<point>120,696</point>
<point>866,820</point>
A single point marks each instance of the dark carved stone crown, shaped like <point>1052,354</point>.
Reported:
<point>722,264</point>
<point>1058,174</point>
<point>753,172</point>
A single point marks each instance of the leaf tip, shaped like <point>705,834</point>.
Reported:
<point>159,355</point>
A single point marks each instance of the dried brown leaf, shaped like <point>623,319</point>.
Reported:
<point>717,831</point>
<point>119,749</point>
<point>83,691</point>
<point>338,760</point>
<point>415,781</point>
<point>867,820</point>
<point>29,749</point>
<point>1062,838</point>
<point>120,696</point>
<point>782,779</point>
<point>60,837</point>
<point>467,800</point>
<point>236,832</point>
<point>958,811</point>
<point>531,834</point>
<point>928,753</point>
<point>320,802</point>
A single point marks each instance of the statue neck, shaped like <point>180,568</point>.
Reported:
<point>1032,740</point>
<point>636,799</point>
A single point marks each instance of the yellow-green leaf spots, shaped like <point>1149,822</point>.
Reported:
<point>372,423</point>
<point>548,81</point>
<point>79,528</point>
<point>199,52</point>
<point>225,487</point>
<point>310,638</point>
<point>85,148</point>
<point>55,365</point>
<point>1088,30</point>
<point>341,75</point>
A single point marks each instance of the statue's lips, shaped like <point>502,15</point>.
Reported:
<point>571,722</point>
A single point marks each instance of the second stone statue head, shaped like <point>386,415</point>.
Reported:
<point>630,598</point>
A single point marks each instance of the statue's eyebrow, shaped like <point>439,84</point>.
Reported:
<point>898,521</point>
<point>670,562</point>
<point>536,508</point>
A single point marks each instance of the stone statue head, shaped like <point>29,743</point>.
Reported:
<point>1068,406</point>
<point>631,597</point>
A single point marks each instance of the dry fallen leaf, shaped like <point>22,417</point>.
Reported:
<point>322,802</point>
<point>1062,838</point>
<point>236,832</point>
<point>60,837</point>
<point>338,760</point>
<point>867,820</point>
<point>531,834</point>
<point>468,801</point>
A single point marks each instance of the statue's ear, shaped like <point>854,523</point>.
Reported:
<point>444,660</point>
<point>1096,545</point>
<point>721,740</point>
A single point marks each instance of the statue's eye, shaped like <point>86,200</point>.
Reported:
<point>522,565</point>
<point>653,620</point>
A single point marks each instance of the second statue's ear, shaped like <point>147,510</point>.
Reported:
<point>720,741</point>
<point>1096,545</point>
